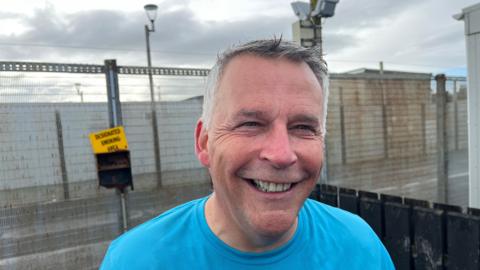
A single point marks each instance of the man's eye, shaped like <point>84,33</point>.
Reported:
<point>305,128</point>
<point>250,124</point>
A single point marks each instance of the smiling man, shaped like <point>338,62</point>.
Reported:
<point>261,136</point>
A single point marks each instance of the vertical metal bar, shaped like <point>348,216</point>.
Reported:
<point>124,211</point>
<point>115,119</point>
<point>149,61</point>
<point>342,128</point>
<point>424,128</point>
<point>455,113</point>
<point>156,143</point>
<point>442,147</point>
<point>114,105</point>
<point>61,154</point>
<point>384,118</point>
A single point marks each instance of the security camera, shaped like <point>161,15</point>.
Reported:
<point>301,9</point>
<point>324,8</point>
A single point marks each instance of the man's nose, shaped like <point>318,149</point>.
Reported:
<point>277,148</point>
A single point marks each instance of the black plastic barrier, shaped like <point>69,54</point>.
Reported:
<point>348,200</point>
<point>428,240</point>
<point>391,198</point>
<point>367,194</point>
<point>328,195</point>
<point>473,211</point>
<point>371,211</point>
<point>415,202</point>
<point>462,241</point>
<point>417,234</point>
<point>447,207</point>
<point>397,237</point>
<point>315,193</point>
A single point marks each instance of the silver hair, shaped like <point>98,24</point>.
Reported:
<point>272,48</point>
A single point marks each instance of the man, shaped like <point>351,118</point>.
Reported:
<point>261,136</point>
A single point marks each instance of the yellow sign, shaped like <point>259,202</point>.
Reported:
<point>109,140</point>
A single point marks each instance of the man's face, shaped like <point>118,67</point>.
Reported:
<point>264,147</point>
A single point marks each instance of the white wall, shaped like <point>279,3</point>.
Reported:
<point>471,17</point>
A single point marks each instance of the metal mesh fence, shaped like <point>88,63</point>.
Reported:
<point>457,141</point>
<point>53,215</point>
<point>382,136</point>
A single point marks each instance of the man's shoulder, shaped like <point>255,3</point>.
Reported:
<point>345,234</point>
<point>155,234</point>
<point>339,224</point>
<point>175,215</point>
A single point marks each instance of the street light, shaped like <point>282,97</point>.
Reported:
<point>151,11</point>
<point>80,93</point>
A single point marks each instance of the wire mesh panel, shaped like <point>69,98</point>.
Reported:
<point>457,141</point>
<point>45,121</point>
<point>177,106</point>
<point>382,137</point>
<point>381,133</point>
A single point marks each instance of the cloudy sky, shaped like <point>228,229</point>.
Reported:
<point>413,35</point>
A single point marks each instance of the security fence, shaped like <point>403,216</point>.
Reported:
<point>391,133</point>
<point>53,214</point>
<point>383,136</point>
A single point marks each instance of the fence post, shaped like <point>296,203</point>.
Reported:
<point>115,119</point>
<point>114,106</point>
<point>342,128</point>
<point>455,113</point>
<point>384,116</point>
<point>424,128</point>
<point>442,147</point>
<point>61,153</point>
<point>156,147</point>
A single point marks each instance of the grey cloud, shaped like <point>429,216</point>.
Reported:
<point>179,39</point>
<point>352,15</point>
<point>9,15</point>
<point>336,42</point>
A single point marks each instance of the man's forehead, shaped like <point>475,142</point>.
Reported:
<point>249,67</point>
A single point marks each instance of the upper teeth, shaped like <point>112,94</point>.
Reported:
<point>271,187</point>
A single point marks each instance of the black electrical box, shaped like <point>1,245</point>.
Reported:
<point>114,169</point>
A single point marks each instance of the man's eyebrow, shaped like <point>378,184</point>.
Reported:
<point>245,113</point>
<point>306,118</point>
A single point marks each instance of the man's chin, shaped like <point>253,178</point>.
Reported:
<point>275,226</point>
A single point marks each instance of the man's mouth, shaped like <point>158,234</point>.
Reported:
<point>271,187</point>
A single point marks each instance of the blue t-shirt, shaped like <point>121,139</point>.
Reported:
<point>326,238</point>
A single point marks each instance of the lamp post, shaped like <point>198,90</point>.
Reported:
<point>80,93</point>
<point>151,11</point>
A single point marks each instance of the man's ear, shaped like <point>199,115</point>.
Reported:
<point>201,144</point>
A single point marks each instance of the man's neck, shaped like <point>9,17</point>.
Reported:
<point>231,233</point>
